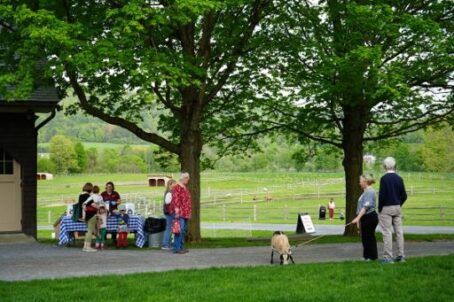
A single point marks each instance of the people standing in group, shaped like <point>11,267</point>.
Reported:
<point>181,207</point>
<point>331,208</point>
<point>391,197</point>
<point>166,243</point>
<point>367,218</point>
<point>91,208</point>
<point>113,200</point>
<point>101,223</point>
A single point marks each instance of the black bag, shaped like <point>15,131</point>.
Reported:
<point>154,225</point>
<point>77,212</point>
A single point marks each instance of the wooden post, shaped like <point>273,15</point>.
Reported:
<point>223,212</point>
<point>49,217</point>
<point>255,212</point>
<point>285,213</point>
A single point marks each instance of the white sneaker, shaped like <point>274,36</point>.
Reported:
<point>89,250</point>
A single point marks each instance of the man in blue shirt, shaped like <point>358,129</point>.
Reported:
<point>391,197</point>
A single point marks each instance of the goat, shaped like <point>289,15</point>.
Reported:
<point>280,244</point>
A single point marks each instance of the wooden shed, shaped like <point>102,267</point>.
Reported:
<point>19,125</point>
<point>158,180</point>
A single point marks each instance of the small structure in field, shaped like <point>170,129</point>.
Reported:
<point>44,176</point>
<point>158,180</point>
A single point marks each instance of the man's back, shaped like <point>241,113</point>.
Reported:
<point>392,191</point>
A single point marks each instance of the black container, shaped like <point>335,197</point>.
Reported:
<point>322,213</point>
<point>154,225</point>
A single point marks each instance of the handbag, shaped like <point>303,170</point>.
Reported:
<point>176,228</point>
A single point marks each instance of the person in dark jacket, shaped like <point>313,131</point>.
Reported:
<point>86,193</point>
<point>391,197</point>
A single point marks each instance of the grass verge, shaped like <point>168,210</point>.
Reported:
<point>419,279</point>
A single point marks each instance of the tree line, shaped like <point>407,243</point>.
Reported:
<point>423,151</point>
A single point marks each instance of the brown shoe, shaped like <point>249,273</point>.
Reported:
<point>181,252</point>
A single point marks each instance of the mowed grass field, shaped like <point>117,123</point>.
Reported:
<point>419,279</point>
<point>256,197</point>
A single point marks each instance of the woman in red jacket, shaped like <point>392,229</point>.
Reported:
<point>182,208</point>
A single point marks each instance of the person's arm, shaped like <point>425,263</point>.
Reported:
<point>358,217</point>
<point>168,198</point>
<point>381,195</point>
<point>176,198</point>
<point>87,201</point>
<point>403,193</point>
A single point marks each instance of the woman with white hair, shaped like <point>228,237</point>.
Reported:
<point>182,208</point>
<point>367,218</point>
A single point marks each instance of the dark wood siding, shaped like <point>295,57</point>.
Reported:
<point>18,137</point>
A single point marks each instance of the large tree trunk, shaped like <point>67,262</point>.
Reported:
<point>353,134</point>
<point>191,149</point>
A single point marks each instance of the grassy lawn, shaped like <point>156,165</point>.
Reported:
<point>241,197</point>
<point>420,279</point>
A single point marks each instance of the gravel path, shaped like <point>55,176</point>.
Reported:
<point>41,261</point>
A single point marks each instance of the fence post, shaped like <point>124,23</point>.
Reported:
<point>411,190</point>
<point>241,196</point>
<point>285,212</point>
<point>255,212</point>
<point>49,217</point>
<point>223,212</point>
<point>146,210</point>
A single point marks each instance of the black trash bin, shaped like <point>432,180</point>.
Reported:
<point>154,225</point>
<point>322,213</point>
<point>154,228</point>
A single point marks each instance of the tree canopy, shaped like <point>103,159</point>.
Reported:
<point>121,58</point>
<point>349,72</point>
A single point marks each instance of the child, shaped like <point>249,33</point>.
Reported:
<point>101,220</point>
<point>95,197</point>
<point>123,219</point>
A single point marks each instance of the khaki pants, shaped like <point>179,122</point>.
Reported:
<point>91,224</point>
<point>390,219</point>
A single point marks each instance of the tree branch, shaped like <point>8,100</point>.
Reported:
<point>139,132</point>
<point>237,49</point>
<point>411,127</point>
<point>166,100</point>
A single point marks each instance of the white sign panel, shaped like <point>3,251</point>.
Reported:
<point>307,223</point>
<point>69,210</point>
<point>130,208</point>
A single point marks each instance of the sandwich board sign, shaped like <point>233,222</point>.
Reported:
<point>304,224</point>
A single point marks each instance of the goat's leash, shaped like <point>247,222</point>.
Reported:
<point>316,238</point>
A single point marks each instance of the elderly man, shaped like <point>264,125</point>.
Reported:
<point>391,197</point>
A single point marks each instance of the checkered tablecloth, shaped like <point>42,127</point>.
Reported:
<point>135,224</point>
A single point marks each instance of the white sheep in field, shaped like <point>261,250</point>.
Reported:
<point>280,244</point>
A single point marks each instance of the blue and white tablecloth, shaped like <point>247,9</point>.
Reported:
<point>135,224</point>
